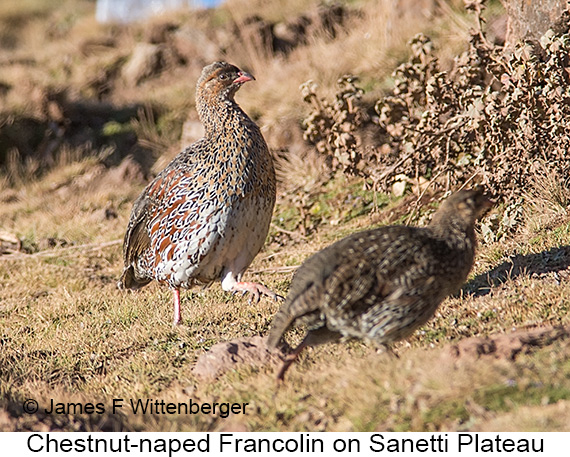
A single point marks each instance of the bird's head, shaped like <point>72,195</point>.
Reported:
<point>465,206</point>
<point>220,81</point>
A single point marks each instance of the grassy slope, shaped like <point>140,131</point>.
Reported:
<point>69,335</point>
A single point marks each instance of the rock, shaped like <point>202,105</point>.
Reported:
<point>530,23</point>
<point>190,43</point>
<point>145,61</point>
<point>329,19</point>
<point>294,31</point>
<point>129,170</point>
<point>270,38</point>
<point>9,242</point>
<point>509,346</point>
<point>399,185</point>
<point>229,355</point>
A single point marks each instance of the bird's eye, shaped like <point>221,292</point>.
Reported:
<point>223,76</point>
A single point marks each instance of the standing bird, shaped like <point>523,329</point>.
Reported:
<point>206,215</point>
<point>382,284</point>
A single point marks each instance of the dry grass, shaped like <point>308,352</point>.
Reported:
<point>370,46</point>
<point>547,199</point>
<point>69,335</point>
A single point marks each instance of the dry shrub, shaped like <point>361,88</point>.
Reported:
<point>489,119</point>
<point>331,126</point>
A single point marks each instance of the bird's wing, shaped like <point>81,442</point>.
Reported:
<point>137,238</point>
<point>187,215</point>
<point>351,289</point>
<point>377,306</point>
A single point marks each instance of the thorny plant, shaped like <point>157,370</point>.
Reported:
<point>489,119</point>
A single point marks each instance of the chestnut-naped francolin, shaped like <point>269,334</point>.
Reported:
<point>382,284</point>
<point>207,214</point>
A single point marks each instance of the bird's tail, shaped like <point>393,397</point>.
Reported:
<point>128,279</point>
<point>280,323</point>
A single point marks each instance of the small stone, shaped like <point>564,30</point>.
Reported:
<point>230,355</point>
<point>9,242</point>
<point>144,63</point>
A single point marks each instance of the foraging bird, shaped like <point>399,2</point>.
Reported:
<point>382,284</point>
<point>206,215</point>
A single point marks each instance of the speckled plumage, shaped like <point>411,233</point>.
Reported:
<point>206,215</point>
<point>382,284</point>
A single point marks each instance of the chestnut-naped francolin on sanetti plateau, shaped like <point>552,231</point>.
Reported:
<point>382,284</point>
<point>207,214</point>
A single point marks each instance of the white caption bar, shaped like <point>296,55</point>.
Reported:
<point>302,444</point>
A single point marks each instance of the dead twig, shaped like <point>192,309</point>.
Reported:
<point>289,232</point>
<point>58,251</point>
<point>275,270</point>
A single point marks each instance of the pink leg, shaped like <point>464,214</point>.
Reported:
<point>255,289</point>
<point>176,302</point>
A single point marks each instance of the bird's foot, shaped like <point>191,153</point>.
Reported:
<point>256,291</point>
<point>287,362</point>
<point>387,349</point>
